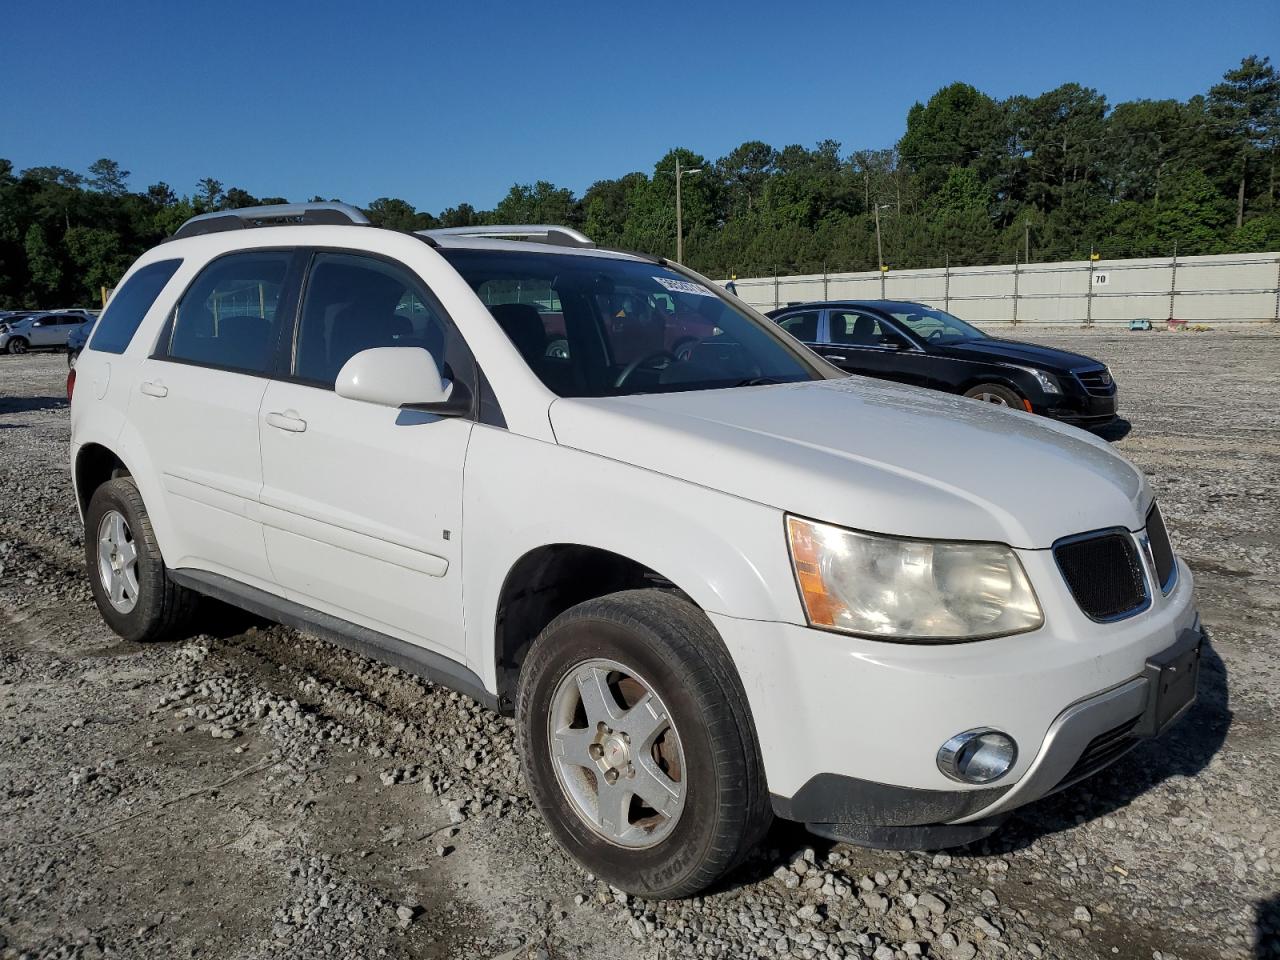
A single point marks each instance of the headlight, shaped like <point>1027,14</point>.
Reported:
<point>922,590</point>
<point>1048,382</point>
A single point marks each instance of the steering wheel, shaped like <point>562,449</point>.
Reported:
<point>935,334</point>
<point>639,362</point>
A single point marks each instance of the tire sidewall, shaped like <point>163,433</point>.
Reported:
<point>1011,398</point>
<point>139,623</point>
<point>17,345</point>
<point>669,863</point>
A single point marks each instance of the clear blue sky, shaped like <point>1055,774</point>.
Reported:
<point>446,102</point>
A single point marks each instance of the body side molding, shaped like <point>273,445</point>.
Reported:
<point>351,636</point>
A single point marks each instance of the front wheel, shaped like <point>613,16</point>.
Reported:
<point>995,393</point>
<point>17,345</point>
<point>638,746</point>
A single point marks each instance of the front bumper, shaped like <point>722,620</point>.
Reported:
<point>1077,406</point>
<point>1085,738</point>
<point>849,728</point>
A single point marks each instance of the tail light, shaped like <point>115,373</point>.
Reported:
<point>71,383</point>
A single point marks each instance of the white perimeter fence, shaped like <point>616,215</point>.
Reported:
<point>1238,288</point>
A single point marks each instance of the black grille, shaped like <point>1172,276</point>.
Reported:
<point>1161,548</point>
<point>1104,574</point>
<point>1102,750</point>
<point>1097,382</point>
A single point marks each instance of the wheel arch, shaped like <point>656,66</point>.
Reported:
<point>543,583</point>
<point>95,465</point>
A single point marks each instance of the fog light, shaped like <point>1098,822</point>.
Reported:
<point>977,756</point>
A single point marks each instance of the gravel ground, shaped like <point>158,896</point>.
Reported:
<point>256,792</point>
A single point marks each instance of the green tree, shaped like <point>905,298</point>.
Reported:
<point>209,194</point>
<point>106,176</point>
<point>395,214</point>
<point>1246,107</point>
<point>1193,218</point>
<point>958,127</point>
<point>43,265</point>
<point>543,202</point>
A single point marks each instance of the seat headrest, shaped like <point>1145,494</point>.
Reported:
<point>523,324</point>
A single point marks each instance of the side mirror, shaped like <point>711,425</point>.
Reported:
<point>401,377</point>
<point>37,323</point>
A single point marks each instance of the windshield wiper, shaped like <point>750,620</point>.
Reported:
<point>757,381</point>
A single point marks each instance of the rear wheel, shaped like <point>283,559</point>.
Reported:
<point>638,745</point>
<point>997,394</point>
<point>18,345</point>
<point>126,571</point>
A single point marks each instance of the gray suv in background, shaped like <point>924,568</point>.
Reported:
<point>41,331</point>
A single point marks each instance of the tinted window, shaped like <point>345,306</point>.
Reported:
<point>593,326</point>
<point>802,326</point>
<point>130,304</point>
<point>227,318</point>
<point>853,328</point>
<point>355,303</point>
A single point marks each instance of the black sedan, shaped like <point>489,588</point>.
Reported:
<point>926,347</point>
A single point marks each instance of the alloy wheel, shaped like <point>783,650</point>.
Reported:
<point>617,754</point>
<point>118,561</point>
<point>991,398</point>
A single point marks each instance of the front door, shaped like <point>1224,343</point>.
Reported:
<point>197,403</point>
<point>362,503</point>
<point>861,342</point>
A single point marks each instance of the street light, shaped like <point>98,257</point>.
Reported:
<point>681,174</point>
<point>879,246</point>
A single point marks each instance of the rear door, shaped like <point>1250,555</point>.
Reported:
<point>362,503</point>
<point>197,403</point>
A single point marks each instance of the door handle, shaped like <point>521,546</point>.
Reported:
<point>154,388</point>
<point>838,358</point>
<point>288,420</point>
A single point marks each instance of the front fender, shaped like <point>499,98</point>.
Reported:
<point>727,554</point>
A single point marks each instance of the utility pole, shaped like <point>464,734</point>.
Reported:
<point>681,174</point>
<point>1026,241</point>
<point>880,246</point>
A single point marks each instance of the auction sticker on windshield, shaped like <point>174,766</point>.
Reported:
<point>684,286</point>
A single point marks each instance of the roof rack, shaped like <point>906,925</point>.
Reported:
<point>272,215</point>
<point>549,233</point>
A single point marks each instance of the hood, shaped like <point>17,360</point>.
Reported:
<point>873,456</point>
<point>1013,351</point>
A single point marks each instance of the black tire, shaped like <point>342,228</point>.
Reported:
<point>996,394</point>
<point>162,607</point>
<point>673,645</point>
<point>18,345</point>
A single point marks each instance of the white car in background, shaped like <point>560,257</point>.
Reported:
<point>41,331</point>
<point>713,577</point>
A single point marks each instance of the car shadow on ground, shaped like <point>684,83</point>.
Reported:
<point>31,404</point>
<point>1117,429</point>
<point>1266,938</point>
<point>1184,751</point>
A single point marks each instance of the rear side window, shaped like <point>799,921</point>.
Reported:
<point>130,304</point>
<point>227,317</point>
<point>802,326</point>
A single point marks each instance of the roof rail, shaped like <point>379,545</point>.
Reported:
<point>272,215</point>
<point>549,233</point>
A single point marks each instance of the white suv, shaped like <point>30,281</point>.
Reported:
<point>714,577</point>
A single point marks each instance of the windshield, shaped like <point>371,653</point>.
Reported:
<point>593,326</point>
<point>936,326</point>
